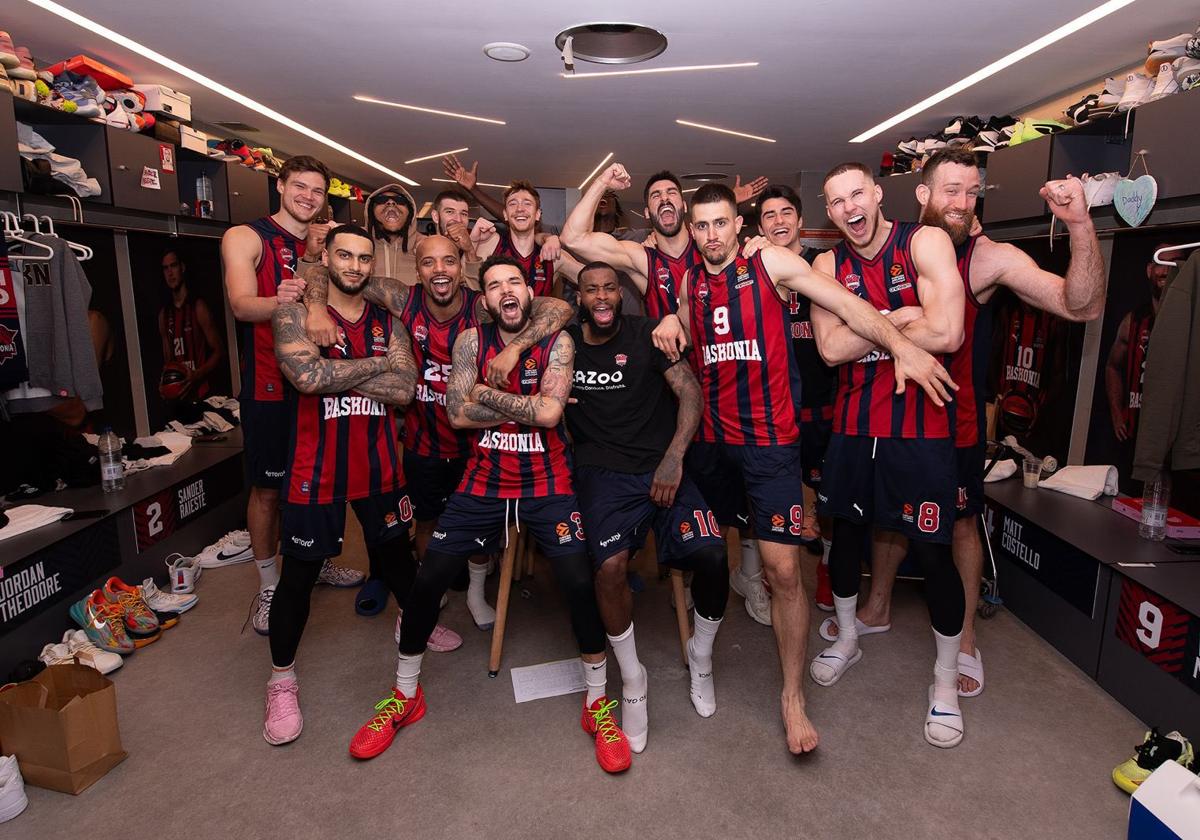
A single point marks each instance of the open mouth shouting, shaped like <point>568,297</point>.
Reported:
<point>857,225</point>
<point>510,308</point>
<point>441,284</point>
<point>603,315</point>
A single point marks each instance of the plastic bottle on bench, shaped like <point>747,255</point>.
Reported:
<point>112,470</point>
<point>1156,501</point>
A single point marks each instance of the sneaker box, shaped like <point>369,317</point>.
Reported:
<point>190,138</point>
<point>163,100</point>
<point>1166,806</point>
<point>1180,526</point>
<point>168,131</point>
<point>62,727</point>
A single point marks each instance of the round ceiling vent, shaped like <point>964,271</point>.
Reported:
<point>613,43</point>
<point>704,177</point>
<point>506,51</point>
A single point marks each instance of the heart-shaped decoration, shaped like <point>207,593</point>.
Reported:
<point>1134,200</point>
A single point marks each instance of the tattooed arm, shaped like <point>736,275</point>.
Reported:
<point>387,292</point>
<point>464,374</point>
<point>397,385</point>
<point>544,408</point>
<point>301,362</point>
<point>546,316</point>
<point>669,472</point>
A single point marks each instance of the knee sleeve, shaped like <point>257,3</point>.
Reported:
<point>393,562</point>
<point>943,586</point>
<point>710,581</point>
<point>289,608</point>
<point>421,606</point>
<point>573,572</point>
<point>851,546</point>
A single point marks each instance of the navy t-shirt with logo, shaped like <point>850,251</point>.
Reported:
<point>624,415</point>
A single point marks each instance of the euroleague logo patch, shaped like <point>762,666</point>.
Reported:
<point>743,277</point>
<point>685,531</point>
<point>777,523</point>
<point>563,530</point>
<point>907,512</point>
<point>390,520</point>
<point>531,370</point>
<point>898,282</point>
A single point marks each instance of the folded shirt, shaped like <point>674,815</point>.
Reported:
<point>1003,469</point>
<point>24,518</point>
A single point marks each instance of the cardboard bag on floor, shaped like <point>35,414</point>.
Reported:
<point>62,727</point>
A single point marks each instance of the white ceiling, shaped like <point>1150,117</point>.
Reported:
<point>829,69</point>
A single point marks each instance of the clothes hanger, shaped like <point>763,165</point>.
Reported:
<point>1158,254</point>
<point>14,231</point>
<point>85,252</point>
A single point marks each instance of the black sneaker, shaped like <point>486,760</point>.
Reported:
<point>1155,751</point>
<point>1081,112</point>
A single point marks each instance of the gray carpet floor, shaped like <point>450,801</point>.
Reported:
<point>1041,740</point>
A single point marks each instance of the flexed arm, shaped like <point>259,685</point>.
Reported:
<point>301,362</point>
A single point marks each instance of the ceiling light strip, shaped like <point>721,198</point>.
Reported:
<point>454,114</point>
<point>439,154</point>
<point>216,87</point>
<point>648,70</point>
<point>592,174</point>
<point>725,131</point>
<point>996,66</point>
<point>477,183</point>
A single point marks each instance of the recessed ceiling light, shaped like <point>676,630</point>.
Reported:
<point>645,70</point>
<point>690,189</point>
<point>477,183</point>
<point>996,66</point>
<point>375,101</point>
<point>438,155</point>
<point>612,43</point>
<point>506,51</point>
<point>591,174</point>
<point>94,28</point>
<point>725,131</point>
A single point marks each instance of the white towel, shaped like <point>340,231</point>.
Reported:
<point>1084,482</point>
<point>177,443</point>
<point>1003,469</point>
<point>24,518</point>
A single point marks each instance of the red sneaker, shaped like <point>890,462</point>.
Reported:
<point>393,712</point>
<point>824,594</point>
<point>612,747</point>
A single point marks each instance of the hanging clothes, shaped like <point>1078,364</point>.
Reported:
<point>13,367</point>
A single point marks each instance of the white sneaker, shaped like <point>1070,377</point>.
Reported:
<point>758,602</point>
<point>88,654</point>
<point>53,654</point>
<point>1187,72</point>
<point>1099,189</point>
<point>231,549</point>
<point>1138,87</point>
<point>1165,83</point>
<point>185,573</point>
<point>260,620</point>
<point>334,575</point>
<point>160,601</point>
<point>12,789</point>
<point>1169,49</point>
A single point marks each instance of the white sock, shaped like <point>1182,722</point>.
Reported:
<point>287,672</point>
<point>595,674</point>
<point>408,673</point>
<point>625,650</point>
<point>846,610</point>
<point>945,683</point>
<point>635,713</point>
<point>481,612</point>
<point>751,563</point>
<point>268,572</point>
<point>826,545</point>
<point>703,637</point>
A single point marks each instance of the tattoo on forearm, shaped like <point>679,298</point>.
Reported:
<point>390,388</point>
<point>463,376</point>
<point>687,415</point>
<point>301,362</point>
<point>387,292</point>
<point>316,284</point>
<point>546,316</point>
<point>516,407</point>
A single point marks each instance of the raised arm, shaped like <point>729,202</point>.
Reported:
<point>301,362</point>
<point>396,386</point>
<point>545,408</point>
<point>468,179</point>
<point>669,472</point>
<point>578,236</point>
<point>240,251</point>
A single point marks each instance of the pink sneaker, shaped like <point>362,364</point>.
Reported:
<point>283,721</point>
<point>441,640</point>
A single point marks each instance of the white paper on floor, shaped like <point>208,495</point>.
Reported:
<point>550,679</point>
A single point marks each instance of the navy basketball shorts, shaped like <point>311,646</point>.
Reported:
<point>619,512</point>
<point>970,479</point>
<point>770,476</point>
<point>265,442</point>
<point>898,484</point>
<point>473,525</point>
<point>431,483</point>
<point>814,440</point>
<point>314,532</point>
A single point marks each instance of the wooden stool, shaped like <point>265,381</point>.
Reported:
<point>681,612</point>
<point>506,578</point>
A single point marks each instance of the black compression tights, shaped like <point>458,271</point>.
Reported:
<point>943,586</point>
<point>710,581</point>
<point>572,572</point>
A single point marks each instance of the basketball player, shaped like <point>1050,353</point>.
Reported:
<point>1126,365</point>
<point>950,186</point>
<point>733,309</point>
<point>629,442</point>
<point>341,449</point>
<point>522,212</point>
<point>260,264</point>
<point>189,334</point>
<point>894,452</point>
<point>518,472</point>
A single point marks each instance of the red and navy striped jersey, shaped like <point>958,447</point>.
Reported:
<point>818,380</point>
<point>866,402</point>
<point>1141,322</point>
<point>513,460</point>
<point>748,374</point>
<point>343,445</point>
<point>965,363</point>
<point>186,340</point>
<point>1032,335</point>
<point>664,273</point>
<point>539,274</point>
<point>427,429</point>
<point>261,379</point>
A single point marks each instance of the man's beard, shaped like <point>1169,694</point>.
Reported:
<point>335,277</point>
<point>498,317</point>
<point>585,317</point>
<point>667,232</point>
<point>958,232</point>
<point>714,262</point>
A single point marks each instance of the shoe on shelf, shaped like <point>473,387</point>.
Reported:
<point>231,549</point>
<point>12,789</point>
<point>391,714</point>
<point>908,147</point>
<point>56,654</point>
<point>1192,49</point>
<point>185,573</point>
<point>1165,83</point>
<point>282,721</point>
<point>139,618</point>
<point>103,622</point>
<point>1155,750</point>
<point>1160,52</point>
<point>1187,72</point>
<point>8,53</point>
<point>1081,112</point>
<point>24,70</point>
<point>88,654</point>
<point>260,611</point>
<point>613,752</point>
<point>758,602</point>
<point>334,575</point>
<point>160,601</point>
<point>82,92</point>
<point>1138,88</point>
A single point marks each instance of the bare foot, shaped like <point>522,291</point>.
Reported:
<point>967,684</point>
<point>801,734</point>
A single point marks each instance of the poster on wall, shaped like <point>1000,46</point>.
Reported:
<point>180,302</point>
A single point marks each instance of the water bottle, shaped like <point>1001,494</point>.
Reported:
<point>1156,500</point>
<point>204,197</point>
<point>112,470</point>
